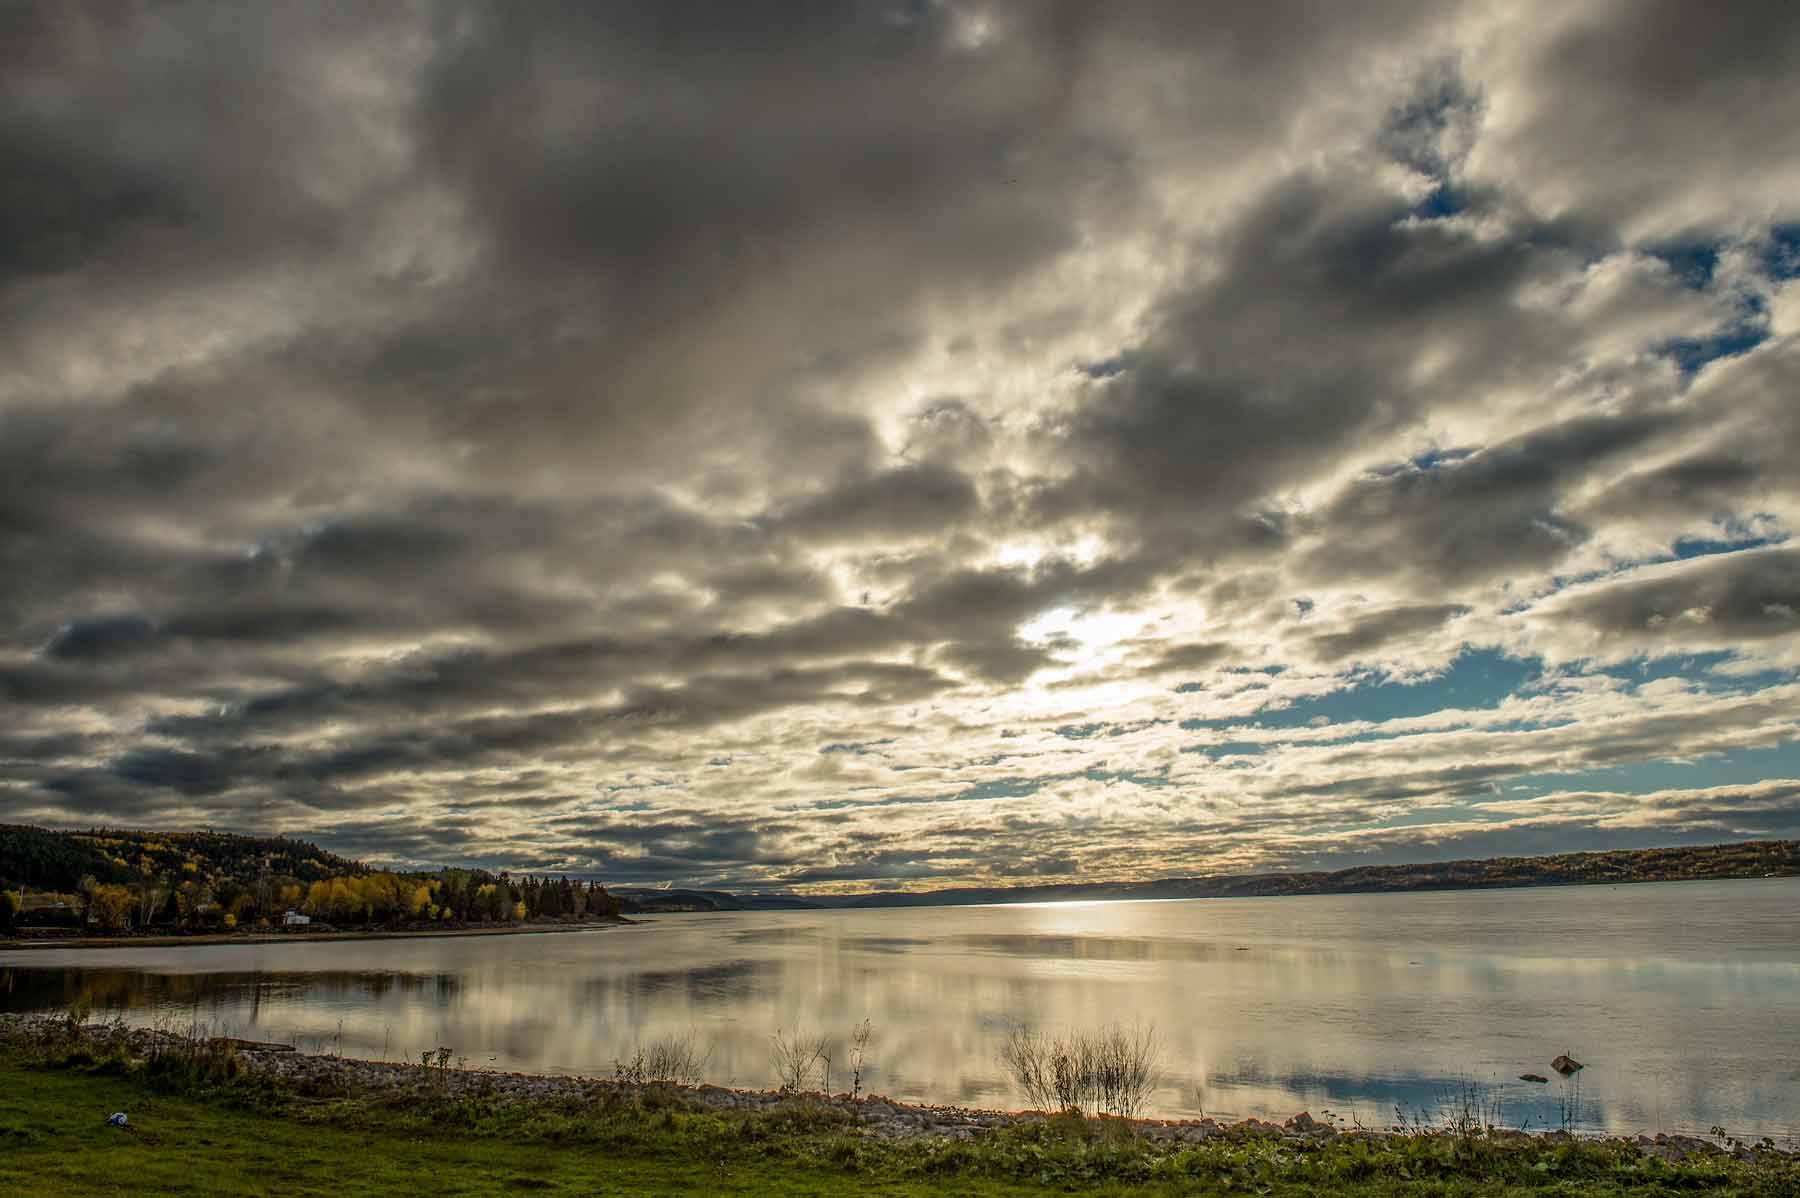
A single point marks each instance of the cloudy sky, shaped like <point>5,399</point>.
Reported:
<point>902,444</point>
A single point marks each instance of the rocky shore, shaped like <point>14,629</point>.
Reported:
<point>874,1116</point>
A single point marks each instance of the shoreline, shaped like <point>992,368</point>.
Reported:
<point>206,939</point>
<point>873,1115</point>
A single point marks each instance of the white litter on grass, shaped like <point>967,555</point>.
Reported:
<point>118,1119</point>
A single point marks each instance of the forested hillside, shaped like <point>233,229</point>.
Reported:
<point>107,880</point>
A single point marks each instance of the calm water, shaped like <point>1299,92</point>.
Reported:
<point>1683,999</point>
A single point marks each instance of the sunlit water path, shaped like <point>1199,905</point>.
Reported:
<point>1683,999</point>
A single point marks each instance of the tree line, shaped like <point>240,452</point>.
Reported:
<point>118,881</point>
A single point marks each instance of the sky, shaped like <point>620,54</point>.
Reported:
<point>852,446</point>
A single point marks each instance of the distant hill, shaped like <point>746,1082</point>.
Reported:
<point>114,881</point>
<point>637,900</point>
<point>1749,859</point>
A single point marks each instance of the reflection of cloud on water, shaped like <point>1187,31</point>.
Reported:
<point>885,944</point>
<point>1379,1100</point>
<point>23,988</point>
<point>772,935</point>
<point>1110,948</point>
<point>724,981</point>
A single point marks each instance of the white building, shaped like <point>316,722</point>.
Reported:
<point>294,919</point>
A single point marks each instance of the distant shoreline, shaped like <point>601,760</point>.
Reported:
<point>205,939</point>
<point>210,939</point>
<point>1252,886</point>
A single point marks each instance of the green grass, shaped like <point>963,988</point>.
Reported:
<point>246,1137</point>
<point>54,1141</point>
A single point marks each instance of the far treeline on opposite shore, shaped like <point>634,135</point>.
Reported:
<point>111,882</point>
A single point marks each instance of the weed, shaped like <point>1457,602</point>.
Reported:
<point>859,1048</point>
<point>795,1057</point>
<point>1113,1070</point>
<point>675,1059</point>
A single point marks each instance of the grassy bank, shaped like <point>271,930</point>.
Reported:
<point>54,1141</point>
<point>205,1122</point>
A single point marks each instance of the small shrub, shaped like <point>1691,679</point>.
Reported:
<point>672,1059</point>
<point>1125,1069</point>
<point>187,1063</point>
<point>795,1057</point>
<point>1112,1070</point>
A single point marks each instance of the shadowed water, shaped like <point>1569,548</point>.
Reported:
<point>1681,998</point>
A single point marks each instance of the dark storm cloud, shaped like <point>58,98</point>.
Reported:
<point>1370,633</point>
<point>419,422</point>
<point>1492,514</point>
<point>903,502</point>
<point>1195,657</point>
<point>103,637</point>
<point>1725,599</point>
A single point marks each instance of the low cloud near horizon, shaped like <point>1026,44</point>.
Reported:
<point>902,444</point>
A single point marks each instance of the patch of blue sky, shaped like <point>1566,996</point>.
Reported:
<point>1445,200</point>
<point>1690,354</point>
<point>1106,368</point>
<point>1693,666</point>
<point>1736,767</point>
<point>1696,263</point>
<point>1705,670</point>
<point>1780,258</point>
<point>1692,547</point>
<point>1477,679</point>
<point>1693,263</point>
<point>1431,459</point>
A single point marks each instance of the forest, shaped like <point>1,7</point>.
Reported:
<point>110,881</point>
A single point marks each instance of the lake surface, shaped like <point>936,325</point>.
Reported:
<point>1683,999</point>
